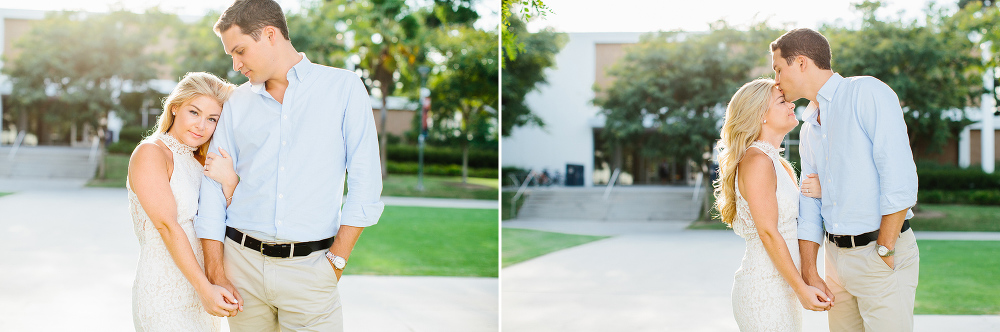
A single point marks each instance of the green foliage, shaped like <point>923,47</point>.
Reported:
<point>200,49</point>
<point>122,147</point>
<point>957,179</point>
<point>672,87</point>
<point>520,10</point>
<point>439,169</point>
<point>74,66</point>
<point>524,73</point>
<point>443,156</point>
<point>930,67</point>
<point>970,197</point>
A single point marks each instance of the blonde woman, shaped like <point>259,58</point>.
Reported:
<point>757,195</point>
<point>171,292</point>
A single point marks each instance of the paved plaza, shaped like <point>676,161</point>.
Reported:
<point>68,256</point>
<point>651,276</point>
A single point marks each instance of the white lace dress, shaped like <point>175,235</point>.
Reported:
<point>162,299</point>
<point>762,300</point>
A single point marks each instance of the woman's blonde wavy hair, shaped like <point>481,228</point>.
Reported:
<point>193,85</point>
<point>744,118</point>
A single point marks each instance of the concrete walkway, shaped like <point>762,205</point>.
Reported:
<point>70,253</point>
<point>646,278</point>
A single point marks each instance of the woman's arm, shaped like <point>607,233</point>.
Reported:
<point>220,169</point>
<point>758,184</point>
<point>149,179</point>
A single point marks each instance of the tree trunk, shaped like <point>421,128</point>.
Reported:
<point>381,135</point>
<point>465,142</point>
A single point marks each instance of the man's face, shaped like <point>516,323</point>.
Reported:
<point>249,56</point>
<point>787,77</point>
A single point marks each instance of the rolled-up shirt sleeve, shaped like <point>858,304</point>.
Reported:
<point>810,225</point>
<point>363,206</point>
<point>210,223</point>
<point>882,120</point>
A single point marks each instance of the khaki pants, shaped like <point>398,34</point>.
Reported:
<point>869,295</point>
<point>293,294</point>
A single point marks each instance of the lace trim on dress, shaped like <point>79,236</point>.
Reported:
<point>767,148</point>
<point>175,145</point>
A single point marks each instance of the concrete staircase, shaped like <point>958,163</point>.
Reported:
<point>631,203</point>
<point>47,162</point>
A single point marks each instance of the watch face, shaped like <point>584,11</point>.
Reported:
<point>882,250</point>
<point>339,262</point>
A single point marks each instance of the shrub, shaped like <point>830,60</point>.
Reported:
<point>957,179</point>
<point>445,170</point>
<point>122,146</point>
<point>134,134</point>
<point>442,156</point>
<point>974,197</point>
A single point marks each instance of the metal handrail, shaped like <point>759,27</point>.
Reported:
<point>520,191</point>
<point>17,143</point>
<point>514,178</point>
<point>93,148</point>
<point>611,183</point>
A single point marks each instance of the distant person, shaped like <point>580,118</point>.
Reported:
<point>758,197</point>
<point>171,291</point>
<point>855,139</point>
<point>295,131</point>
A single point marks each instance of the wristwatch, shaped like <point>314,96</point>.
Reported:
<point>884,251</point>
<point>338,262</point>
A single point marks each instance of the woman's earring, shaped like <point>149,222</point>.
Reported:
<point>765,121</point>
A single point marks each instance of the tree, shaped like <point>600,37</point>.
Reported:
<point>520,10</point>
<point>526,72</point>
<point>465,85</point>
<point>930,67</point>
<point>670,87</point>
<point>75,67</point>
<point>200,49</point>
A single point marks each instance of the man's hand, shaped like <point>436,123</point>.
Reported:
<point>335,270</point>
<point>813,279</point>
<point>224,283</point>
<point>890,262</point>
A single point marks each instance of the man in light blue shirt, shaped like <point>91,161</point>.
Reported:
<point>854,138</point>
<point>294,132</point>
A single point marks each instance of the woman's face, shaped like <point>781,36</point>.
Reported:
<point>195,120</point>
<point>780,113</point>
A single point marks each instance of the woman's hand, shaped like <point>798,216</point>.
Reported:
<point>220,168</point>
<point>814,299</point>
<point>218,301</point>
<point>810,186</point>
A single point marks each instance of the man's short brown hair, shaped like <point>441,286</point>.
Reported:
<point>806,42</point>
<point>251,16</point>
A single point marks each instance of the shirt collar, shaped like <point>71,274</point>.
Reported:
<point>824,97</point>
<point>298,72</point>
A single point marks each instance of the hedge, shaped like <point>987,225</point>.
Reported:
<point>448,170</point>
<point>973,197</point>
<point>957,179</point>
<point>443,156</point>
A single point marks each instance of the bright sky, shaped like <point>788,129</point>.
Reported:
<point>489,10</point>
<point>653,15</point>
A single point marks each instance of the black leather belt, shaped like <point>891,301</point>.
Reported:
<point>284,250</point>
<point>849,241</point>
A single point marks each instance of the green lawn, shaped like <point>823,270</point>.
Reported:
<point>958,278</point>
<point>505,198</point>
<point>521,244</point>
<point>429,241</point>
<point>4,194</point>
<point>968,218</point>
<point>115,172</point>
<point>394,185</point>
<point>440,187</point>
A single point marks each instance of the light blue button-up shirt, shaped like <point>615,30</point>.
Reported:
<point>862,155</point>
<point>292,158</point>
